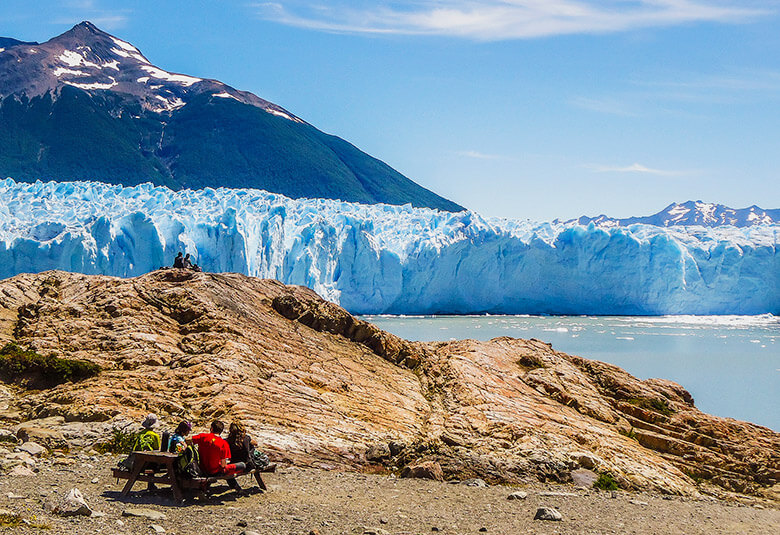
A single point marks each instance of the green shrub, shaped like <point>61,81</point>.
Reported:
<point>19,364</point>
<point>605,482</point>
<point>120,441</point>
<point>654,404</point>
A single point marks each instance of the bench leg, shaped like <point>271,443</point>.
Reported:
<point>260,482</point>
<point>137,469</point>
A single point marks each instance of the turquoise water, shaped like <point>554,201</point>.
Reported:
<point>730,364</point>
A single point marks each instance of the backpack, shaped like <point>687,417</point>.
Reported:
<point>145,441</point>
<point>258,459</point>
<point>188,463</point>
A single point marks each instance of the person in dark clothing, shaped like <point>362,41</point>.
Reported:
<point>187,262</point>
<point>240,443</point>
<point>243,449</point>
<point>178,262</point>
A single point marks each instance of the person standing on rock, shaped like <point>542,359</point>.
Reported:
<point>178,262</point>
<point>214,453</point>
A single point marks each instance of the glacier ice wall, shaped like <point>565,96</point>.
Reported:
<point>392,259</point>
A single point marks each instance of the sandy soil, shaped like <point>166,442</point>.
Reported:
<point>302,501</point>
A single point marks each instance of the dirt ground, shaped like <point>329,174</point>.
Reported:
<point>302,501</point>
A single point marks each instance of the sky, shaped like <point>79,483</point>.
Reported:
<point>526,109</point>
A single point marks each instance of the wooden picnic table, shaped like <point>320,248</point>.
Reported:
<point>147,464</point>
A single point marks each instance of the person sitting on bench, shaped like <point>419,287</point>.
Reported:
<point>214,454</point>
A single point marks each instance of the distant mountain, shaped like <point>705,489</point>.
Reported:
<point>693,213</point>
<point>88,106</point>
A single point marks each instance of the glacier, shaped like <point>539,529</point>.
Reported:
<point>384,259</point>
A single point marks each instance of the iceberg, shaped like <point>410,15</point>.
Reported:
<point>384,259</point>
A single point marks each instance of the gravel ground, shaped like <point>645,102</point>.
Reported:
<point>302,501</point>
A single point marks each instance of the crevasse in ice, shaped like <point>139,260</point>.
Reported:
<point>392,259</point>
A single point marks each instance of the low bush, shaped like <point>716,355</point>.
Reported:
<point>17,364</point>
<point>605,482</point>
<point>120,441</point>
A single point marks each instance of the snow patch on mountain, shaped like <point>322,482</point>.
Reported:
<point>393,259</point>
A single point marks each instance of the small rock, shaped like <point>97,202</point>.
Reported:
<point>378,452</point>
<point>584,478</point>
<point>559,494</point>
<point>119,523</point>
<point>33,448</point>
<point>250,532</point>
<point>519,495</point>
<point>158,529</point>
<point>383,521</point>
<point>424,470</point>
<point>95,480</point>
<point>314,532</point>
<point>149,514</point>
<point>74,504</point>
<point>21,470</point>
<point>12,496</point>
<point>375,531</point>
<point>637,502</point>
<point>482,530</point>
<point>476,482</point>
<point>241,523</point>
<point>548,513</point>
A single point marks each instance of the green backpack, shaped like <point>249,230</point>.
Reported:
<point>145,441</point>
<point>188,463</point>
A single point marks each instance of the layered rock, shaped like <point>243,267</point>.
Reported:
<point>319,387</point>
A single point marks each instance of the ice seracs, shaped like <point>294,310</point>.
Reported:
<point>393,259</point>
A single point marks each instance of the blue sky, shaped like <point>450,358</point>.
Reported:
<point>534,109</point>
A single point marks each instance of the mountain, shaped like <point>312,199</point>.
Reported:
<point>88,106</point>
<point>317,386</point>
<point>692,213</point>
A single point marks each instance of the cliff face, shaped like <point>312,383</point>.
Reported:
<point>319,387</point>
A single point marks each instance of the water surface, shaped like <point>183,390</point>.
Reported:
<point>730,364</point>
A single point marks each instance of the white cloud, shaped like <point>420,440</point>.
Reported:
<point>633,168</point>
<point>505,19</point>
<point>480,155</point>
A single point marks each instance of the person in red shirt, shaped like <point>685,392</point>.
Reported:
<point>214,454</point>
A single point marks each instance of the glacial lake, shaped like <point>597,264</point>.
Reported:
<point>730,364</point>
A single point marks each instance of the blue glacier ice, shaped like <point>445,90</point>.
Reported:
<point>375,259</point>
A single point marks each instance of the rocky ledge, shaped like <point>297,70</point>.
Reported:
<point>321,388</point>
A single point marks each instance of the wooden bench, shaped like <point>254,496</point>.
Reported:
<point>158,459</point>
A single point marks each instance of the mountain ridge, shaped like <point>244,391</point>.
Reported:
<point>691,213</point>
<point>86,105</point>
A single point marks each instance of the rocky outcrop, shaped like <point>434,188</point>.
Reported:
<point>319,387</point>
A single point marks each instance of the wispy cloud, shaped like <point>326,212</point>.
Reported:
<point>493,20</point>
<point>480,155</point>
<point>635,168</point>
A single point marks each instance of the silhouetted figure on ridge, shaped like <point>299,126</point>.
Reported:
<point>178,262</point>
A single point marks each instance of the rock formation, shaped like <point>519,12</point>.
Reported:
<point>318,387</point>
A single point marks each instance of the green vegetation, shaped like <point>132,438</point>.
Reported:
<point>654,404</point>
<point>10,520</point>
<point>19,365</point>
<point>605,482</point>
<point>630,434</point>
<point>120,441</point>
